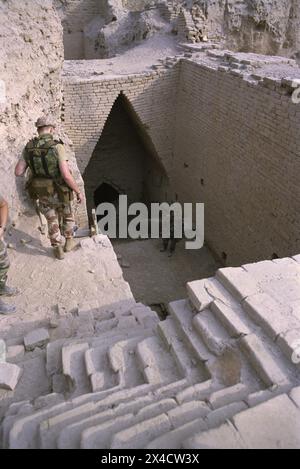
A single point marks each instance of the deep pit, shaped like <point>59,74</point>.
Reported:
<point>123,164</point>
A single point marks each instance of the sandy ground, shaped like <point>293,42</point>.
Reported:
<point>87,275</point>
<point>136,60</point>
<point>156,278</point>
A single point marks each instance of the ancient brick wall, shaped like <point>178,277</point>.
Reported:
<point>234,145</point>
<point>76,14</point>
<point>237,150</point>
<point>152,96</point>
<point>122,161</point>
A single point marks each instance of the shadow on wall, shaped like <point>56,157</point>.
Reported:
<point>124,161</point>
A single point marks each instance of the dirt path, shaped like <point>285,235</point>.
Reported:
<point>89,275</point>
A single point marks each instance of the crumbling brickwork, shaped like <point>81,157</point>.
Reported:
<point>76,14</point>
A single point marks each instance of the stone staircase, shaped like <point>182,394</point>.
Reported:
<point>204,377</point>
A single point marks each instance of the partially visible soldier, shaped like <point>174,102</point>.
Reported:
<point>172,241</point>
<point>5,290</point>
<point>51,183</point>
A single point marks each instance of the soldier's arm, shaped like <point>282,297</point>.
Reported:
<point>3,215</point>
<point>69,180</point>
<point>21,167</point>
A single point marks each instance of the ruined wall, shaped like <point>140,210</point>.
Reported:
<point>31,55</point>
<point>98,29</point>
<point>138,5</point>
<point>262,26</point>
<point>31,58</point>
<point>152,96</point>
<point>237,150</point>
<point>75,15</point>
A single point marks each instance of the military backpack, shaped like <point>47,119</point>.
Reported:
<point>41,156</point>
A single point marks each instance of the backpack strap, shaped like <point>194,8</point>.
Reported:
<point>35,151</point>
<point>30,147</point>
<point>45,165</point>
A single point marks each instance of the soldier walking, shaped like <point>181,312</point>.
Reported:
<point>51,183</point>
<point>5,290</point>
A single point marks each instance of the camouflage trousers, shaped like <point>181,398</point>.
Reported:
<point>4,263</point>
<point>60,219</point>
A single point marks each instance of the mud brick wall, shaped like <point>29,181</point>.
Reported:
<point>152,97</point>
<point>77,14</point>
<point>237,148</point>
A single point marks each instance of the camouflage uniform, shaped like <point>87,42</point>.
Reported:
<point>56,212</point>
<point>4,261</point>
<point>59,214</point>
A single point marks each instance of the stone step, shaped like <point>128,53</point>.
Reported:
<point>98,369</point>
<point>202,422</point>
<point>198,294</point>
<point>54,356</point>
<point>54,349</point>
<point>224,437</point>
<point>156,362</point>
<point>49,428</point>
<point>199,391</point>
<point>257,428</point>
<point>23,432</point>
<point>202,293</point>
<point>270,315</point>
<point>116,310</point>
<point>211,332</point>
<point>139,435</point>
<point>188,364</point>
<point>174,438</point>
<point>226,396</point>
<point>14,413</point>
<point>69,437</point>
<point>120,408</point>
<point>32,383</point>
<point>100,436</point>
<point>232,318</point>
<point>188,411</point>
<point>240,283</point>
<point>264,362</point>
<point>74,369</point>
<point>183,317</point>
<point>145,316</point>
<point>289,344</point>
<point>123,360</point>
<point>295,396</point>
<point>219,416</point>
<point>273,424</point>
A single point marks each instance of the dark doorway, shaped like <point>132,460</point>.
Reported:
<point>124,161</point>
<point>105,193</point>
